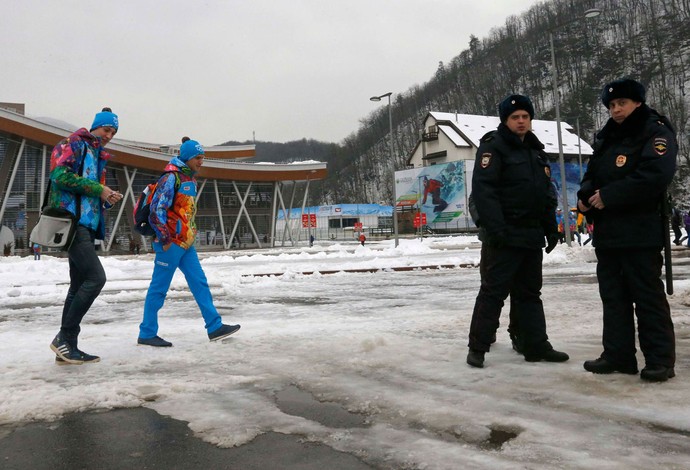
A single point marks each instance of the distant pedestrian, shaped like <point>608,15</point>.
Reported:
<point>515,202</point>
<point>173,207</point>
<point>622,191</point>
<point>574,232</point>
<point>362,239</point>
<point>559,223</point>
<point>311,241</point>
<point>676,221</point>
<point>590,231</point>
<point>37,251</point>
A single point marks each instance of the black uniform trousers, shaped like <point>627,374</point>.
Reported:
<point>518,272</point>
<point>512,324</point>
<point>630,285</point>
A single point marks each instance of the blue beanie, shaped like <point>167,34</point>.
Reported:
<point>105,118</point>
<point>623,88</point>
<point>190,149</point>
<point>512,103</point>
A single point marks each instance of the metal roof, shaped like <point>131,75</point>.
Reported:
<point>218,165</point>
<point>473,127</point>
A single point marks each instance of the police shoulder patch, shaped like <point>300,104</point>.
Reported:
<point>660,145</point>
<point>485,161</point>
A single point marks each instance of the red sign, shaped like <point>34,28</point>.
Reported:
<point>358,226</point>
<point>308,220</point>
<point>416,222</point>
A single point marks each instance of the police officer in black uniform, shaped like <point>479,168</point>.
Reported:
<point>515,203</point>
<point>622,190</point>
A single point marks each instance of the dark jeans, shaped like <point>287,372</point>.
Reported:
<point>87,278</point>
<point>518,272</point>
<point>630,285</point>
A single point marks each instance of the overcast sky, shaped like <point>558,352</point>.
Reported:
<point>222,70</point>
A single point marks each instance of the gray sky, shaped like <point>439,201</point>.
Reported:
<point>220,70</point>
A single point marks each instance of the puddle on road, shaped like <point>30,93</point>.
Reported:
<point>294,401</point>
<point>297,402</point>
<point>500,435</point>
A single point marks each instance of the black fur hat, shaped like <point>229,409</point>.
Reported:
<point>512,103</point>
<point>623,88</point>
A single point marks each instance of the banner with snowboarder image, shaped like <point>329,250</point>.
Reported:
<point>439,191</point>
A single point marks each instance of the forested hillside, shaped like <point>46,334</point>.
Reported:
<point>648,40</point>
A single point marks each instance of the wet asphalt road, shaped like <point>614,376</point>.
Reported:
<point>139,438</point>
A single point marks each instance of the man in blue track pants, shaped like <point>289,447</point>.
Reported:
<point>173,208</point>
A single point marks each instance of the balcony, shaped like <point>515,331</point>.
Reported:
<point>430,133</point>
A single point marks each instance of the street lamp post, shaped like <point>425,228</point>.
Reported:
<point>390,148</point>
<point>579,145</point>
<point>561,161</point>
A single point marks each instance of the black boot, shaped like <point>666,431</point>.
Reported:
<point>602,366</point>
<point>475,358</point>
<point>549,355</point>
<point>657,373</point>
<point>517,345</point>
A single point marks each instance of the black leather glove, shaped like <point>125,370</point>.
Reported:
<point>551,242</point>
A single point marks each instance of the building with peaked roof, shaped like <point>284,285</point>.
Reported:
<point>235,197</point>
<point>446,153</point>
<point>449,137</point>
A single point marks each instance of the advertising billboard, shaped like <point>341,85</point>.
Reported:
<point>438,191</point>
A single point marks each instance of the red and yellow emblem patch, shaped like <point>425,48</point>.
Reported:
<point>620,160</point>
<point>485,160</point>
<point>660,146</point>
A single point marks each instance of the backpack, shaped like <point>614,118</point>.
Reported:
<point>142,209</point>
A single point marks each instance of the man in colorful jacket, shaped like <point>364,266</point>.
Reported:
<point>77,177</point>
<point>173,208</point>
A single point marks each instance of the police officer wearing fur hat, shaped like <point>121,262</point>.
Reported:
<point>633,162</point>
<point>515,203</point>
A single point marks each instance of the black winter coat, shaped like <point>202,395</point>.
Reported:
<point>512,190</point>
<point>632,165</point>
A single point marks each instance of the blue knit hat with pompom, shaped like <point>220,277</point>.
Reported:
<point>106,118</point>
<point>190,149</point>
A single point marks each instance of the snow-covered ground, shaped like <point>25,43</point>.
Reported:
<point>388,344</point>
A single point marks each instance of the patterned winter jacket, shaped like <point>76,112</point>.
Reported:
<point>172,212</point>
<point>68,155</point>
